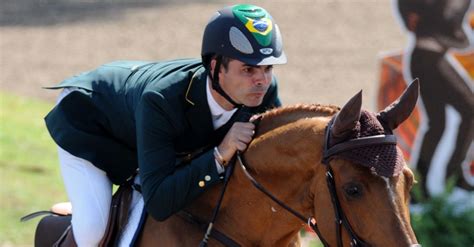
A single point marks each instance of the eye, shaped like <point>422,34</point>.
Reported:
<point>247,70</point>
<point>268,68</point>
<point>353,190</point>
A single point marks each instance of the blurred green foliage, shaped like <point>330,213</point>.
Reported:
<point>440,222</point>
<point>29,174</point>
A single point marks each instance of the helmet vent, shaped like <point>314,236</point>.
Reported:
<point>278,40</point>
<point>253,13</point>
<point>239,41</point>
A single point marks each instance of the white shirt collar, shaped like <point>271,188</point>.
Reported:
<point>220,116</point>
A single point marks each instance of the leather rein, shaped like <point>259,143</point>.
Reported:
<point>328,153</point>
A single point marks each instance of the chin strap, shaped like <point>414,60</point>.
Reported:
<point>217,87</point>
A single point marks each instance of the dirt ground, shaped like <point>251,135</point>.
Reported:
<point>332,46</point>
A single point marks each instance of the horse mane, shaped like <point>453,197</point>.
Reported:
<point>277,117</point>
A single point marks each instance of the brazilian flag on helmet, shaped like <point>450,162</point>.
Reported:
<point>257,21</point>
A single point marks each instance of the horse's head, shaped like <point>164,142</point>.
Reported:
<point>368,173</point>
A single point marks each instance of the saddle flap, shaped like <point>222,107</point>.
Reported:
<point>50,229</point>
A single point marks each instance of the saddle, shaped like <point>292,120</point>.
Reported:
<point>54,229</point>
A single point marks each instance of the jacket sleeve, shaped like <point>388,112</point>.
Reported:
<point>166,188</point>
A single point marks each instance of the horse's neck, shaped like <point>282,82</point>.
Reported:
<point>282,116</point>
<point>283,161</point>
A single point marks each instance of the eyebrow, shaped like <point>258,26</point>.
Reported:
<point>256,66</point>
<point>250,65</point>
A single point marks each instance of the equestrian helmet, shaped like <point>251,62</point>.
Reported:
<point>244,32</point>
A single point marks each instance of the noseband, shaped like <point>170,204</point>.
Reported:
<point>328,153</point>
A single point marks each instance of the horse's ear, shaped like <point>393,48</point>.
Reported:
<point>399,110</point>
<point>348,117</point>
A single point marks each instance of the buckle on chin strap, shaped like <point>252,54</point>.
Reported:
<point>311,222</point>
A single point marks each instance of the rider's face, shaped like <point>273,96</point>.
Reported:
<point>245,84</point>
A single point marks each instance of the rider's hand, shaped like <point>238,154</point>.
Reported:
<point>238,137</point>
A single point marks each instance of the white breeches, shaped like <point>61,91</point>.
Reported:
<point>90,192</point>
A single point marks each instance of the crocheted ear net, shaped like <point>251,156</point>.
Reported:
<point>383,159</point>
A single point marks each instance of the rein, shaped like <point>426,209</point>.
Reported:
<point>244,116</point>
<point>311,221</point>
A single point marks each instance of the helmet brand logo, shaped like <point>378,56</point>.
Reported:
<point>266,51</point>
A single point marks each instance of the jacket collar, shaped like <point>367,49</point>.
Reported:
<point>196,92</point>
<point>198,114</point>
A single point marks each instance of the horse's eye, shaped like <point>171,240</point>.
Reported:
<point>353,190</point>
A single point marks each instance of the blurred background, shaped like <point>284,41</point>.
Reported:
<point>333,47</point>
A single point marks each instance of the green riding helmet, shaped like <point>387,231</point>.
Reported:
<point>244,32</point>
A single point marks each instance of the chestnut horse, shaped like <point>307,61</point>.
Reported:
<point>302,156</point>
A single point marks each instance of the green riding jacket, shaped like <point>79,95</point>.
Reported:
<point>131,114</point>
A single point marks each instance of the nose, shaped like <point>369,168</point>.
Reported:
<point>261,77</point>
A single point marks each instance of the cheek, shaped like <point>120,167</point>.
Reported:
<point>269,77</point>
<point>231,83</point>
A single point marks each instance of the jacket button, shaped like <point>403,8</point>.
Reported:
<point>201,183</point>
<point>207,178</point>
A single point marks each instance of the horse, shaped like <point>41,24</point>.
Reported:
<point>337,167</point>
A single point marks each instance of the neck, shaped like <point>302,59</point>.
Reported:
<point>247,215</point>
<point>219,98</point>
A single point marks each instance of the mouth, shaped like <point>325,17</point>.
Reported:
<point>257,94</point>
<point>258,91</point>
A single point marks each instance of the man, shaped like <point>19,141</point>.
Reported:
<point>132,114</point>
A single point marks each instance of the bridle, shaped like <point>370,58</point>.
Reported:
<point>328,153</point>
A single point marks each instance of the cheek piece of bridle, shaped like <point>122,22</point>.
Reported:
<point>328,153</point>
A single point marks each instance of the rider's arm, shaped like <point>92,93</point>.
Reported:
<point>166,188</point>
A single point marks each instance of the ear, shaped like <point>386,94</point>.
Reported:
<point>212,65</point>
<point>348,117</point>
<point>399,110</point>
